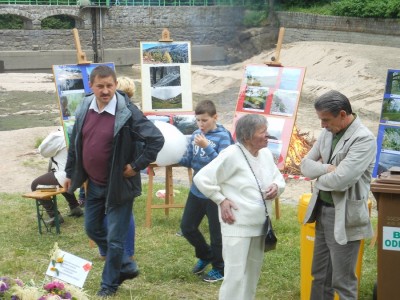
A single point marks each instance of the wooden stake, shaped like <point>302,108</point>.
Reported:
<point>80,55</point>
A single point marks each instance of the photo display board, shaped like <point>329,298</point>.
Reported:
<point>166,76</point>
<point>275,93</point>
<point>388,139</point>
<point>72,83</point>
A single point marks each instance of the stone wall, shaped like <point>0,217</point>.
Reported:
<point>123,27</point>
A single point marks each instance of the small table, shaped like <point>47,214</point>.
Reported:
<point>46,196</point>
<point>169,191</point>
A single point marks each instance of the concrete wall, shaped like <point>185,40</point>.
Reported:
<point>22,60</point>
<point>368,31</point>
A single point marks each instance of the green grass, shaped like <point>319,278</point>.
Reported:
<point>164,259</point>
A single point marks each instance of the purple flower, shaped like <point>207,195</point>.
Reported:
<point>54,285</point>
<point>67,295</point>
<point>4,286</point>
<point>19,282</point>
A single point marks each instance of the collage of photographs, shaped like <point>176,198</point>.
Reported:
<point>72,83</point>
<point>275,93</point>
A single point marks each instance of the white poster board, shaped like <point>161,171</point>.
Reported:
<point>69,268</point>
<point>166,76</point>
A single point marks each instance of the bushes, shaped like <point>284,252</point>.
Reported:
<point>58,22</point>
<point>254,18</point>
<point>11,22</point>
<point>367,8</point>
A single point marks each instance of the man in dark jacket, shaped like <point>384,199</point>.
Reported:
<point>104,144</point>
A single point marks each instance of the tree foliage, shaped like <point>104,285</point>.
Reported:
<point>11,22</point>
<point>58,22</point>
<point>349,8</point>
<point>367,8</point>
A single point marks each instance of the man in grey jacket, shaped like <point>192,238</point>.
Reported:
<point>341,161</point>
<point>106,148</point>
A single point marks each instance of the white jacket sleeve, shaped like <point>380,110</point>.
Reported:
<point>210,177</point>
<point>52,144</point>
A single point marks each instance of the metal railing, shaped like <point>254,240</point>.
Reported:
<point>128,2</point>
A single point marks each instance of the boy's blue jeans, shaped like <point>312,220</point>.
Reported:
<point>110,239</point>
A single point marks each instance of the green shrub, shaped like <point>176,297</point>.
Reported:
<point>367,8</point>
<point>38,141</point>
<point>11,22</point>
<point>304,3</point>
<point>254,18</point>
<point>58,22</point>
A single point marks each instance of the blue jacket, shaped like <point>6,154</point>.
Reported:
<point>132,132</point>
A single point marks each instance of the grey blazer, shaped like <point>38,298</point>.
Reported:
<point>354,158</point>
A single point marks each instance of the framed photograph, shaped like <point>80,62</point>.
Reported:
<point>185,122</point>
<point>166,76</point>
<point>284,103</point>
<point>72,84</point>
<point>388,149</point>
<point>388,138</point>
<point>392,83</point>
<point>391,110</point>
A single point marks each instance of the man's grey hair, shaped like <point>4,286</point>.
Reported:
<point>333,102</point>
<point>247,125</point>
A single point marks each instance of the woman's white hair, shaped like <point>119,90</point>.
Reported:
<point>247,125</point>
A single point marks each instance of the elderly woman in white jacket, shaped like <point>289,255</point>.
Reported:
<point>54,148</point>
<point>233,180</point>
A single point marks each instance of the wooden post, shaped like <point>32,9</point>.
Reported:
<point>80,55</point>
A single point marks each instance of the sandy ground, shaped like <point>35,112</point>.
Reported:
<point>358,71</point>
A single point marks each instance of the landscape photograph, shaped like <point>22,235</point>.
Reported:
<point>390,110</point>
<point>284,103</point>
<point>261,75</point>
<point>69,101</point>
<point>165,53</point>
<point>291,79</point>
<point>68,78</point>
<point>393,82</point>
<point>255,98</point>
<point>389,151</point>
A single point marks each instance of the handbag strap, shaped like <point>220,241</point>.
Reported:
<point>255,177</point>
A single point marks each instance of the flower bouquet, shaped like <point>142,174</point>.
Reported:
<point>15,289</point>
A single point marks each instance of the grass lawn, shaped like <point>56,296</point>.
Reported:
<point>164,259</point>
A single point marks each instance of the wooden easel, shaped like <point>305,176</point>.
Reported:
<point>82,60</point>
<point>275,59</point>
<point>80,55</point>
<point>165,36</point>
<point>276,63</point>
<point>169,190</point>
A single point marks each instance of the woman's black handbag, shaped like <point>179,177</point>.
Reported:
<point>270,237</point>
